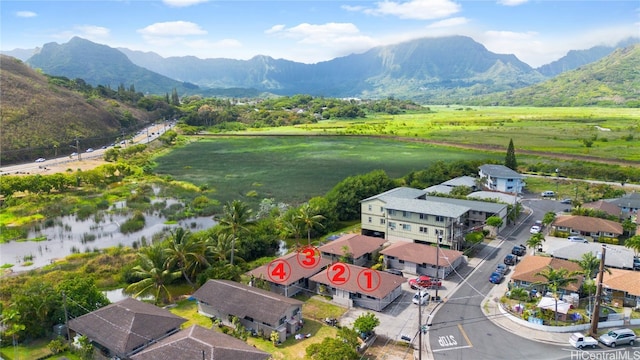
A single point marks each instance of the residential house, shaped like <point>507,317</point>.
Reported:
<point>525,274</point>
<point>586,226</point>
<point>618,256</point>
<point>126,327</point>
<point>406,214</point>
<point>605,207</point>
<point>501,178</point>
<point>297,273</point>
<point>422,259</point>
<point>623,286</point>
<point>198,343</point>
<point>352,248</point>
<point>629,204</point>
<point>257,309</point>
<point>352,285</point>
<point>447,186</point>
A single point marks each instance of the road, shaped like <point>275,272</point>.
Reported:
<point>144,136</point>
<point>459,328</point>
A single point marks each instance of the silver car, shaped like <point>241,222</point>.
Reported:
<point>618,337</point>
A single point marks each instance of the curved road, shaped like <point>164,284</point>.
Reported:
<point>460,330</point>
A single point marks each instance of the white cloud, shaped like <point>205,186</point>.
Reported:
<point>512,2</point>
<point>182,3</point>
<point>93,33</point>
<point>352,8</point>
<point>26,14</point>
<point>274,29</point>
<point>451,22</point>
<point>172,29</point>
<point>416,9</point>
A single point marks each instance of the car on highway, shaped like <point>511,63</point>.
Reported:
<point>578,239</point>
<point>618,337</point>
<point>566,201</point>
<point>534,229</point>
<point>510,259</point>
<point>519,250</point>
<point>424,281</point>
<point>89,150</point>
<point>496,277</point>
<point>41,160</point>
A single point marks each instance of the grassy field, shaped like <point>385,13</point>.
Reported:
<point>293,169</point>
<point>558,130</point>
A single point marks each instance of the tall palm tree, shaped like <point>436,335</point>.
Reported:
<point>535,241</point>
<point>219,247</point>
<point>187,253</point>
<point>556,279</point>
<point>306,215</point>
<point>590,264</point>
<point>234,221</point>
<point>154,276</point>
<point>633,243</point>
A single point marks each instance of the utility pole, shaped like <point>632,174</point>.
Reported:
<point>66,316</point>
<point>420,325</point>
<point>595,312</point>
<point>437,266</point>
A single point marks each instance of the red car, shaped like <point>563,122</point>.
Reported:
<point>424,281</point>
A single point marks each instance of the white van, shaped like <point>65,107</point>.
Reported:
<point>548,193</point>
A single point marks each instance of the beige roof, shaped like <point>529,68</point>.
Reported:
<point>527,269</point>
<point>198,343</point>
<point>382,283</point>
<point>605,206</point>
<point>421,253</point>
<point>296,269</point>
<point>589,224</point>
<point>357,244</point>
<point>623,280</point>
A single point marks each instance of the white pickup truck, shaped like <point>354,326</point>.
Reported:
<point>580,341</point>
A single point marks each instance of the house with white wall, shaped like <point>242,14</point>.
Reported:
<point>501,178</point>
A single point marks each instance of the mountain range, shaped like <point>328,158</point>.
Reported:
<point>428,70</point>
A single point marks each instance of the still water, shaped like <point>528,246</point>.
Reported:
<point>70,234</point>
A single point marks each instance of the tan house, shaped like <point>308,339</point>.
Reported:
<point>604,206</point>
<point>587,226</point>
<point>359,286</point>
<point>352,248</point>
<point>420,259</point>
<point>297,274</point>
<point>623,286</point>
<point>525,273</point>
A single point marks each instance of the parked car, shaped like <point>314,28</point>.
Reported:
<point>90,150</point>
<point>421,297</point>
<point>519,250</point>
<point>41,160</point>
<point>580,341</point>
<point>566,201</point>
<point>496,277</point>
<point>548,193</point>
<point>618,337</point>
<point>636,263</point>
<point>510,259</point>
<point>534,229</point>
<point>424,281</point>
<point>502,268</point>
<point>578,239</point>
<point>73,154</point>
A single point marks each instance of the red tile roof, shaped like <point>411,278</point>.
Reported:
<point>421,253</point>
<point>622,280</point>
<point>588,224</point>
<point>527,269</point>
<point>296,270</point>
<point>357,244</point>
<point>377,285</point>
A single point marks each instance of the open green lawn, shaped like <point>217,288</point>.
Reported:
<point>292,169</point>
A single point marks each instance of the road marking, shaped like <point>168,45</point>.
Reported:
<point>453,348</point>
<point>464,334</point>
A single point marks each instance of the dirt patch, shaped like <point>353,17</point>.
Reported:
<point>386,349</point>
<point>74,165</point>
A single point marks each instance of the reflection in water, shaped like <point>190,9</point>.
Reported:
<point>69,234</point>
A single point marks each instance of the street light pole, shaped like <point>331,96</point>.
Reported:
<point>557,181</point>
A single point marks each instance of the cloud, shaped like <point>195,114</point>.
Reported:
<point>275,29</point>
<point>172,29</point>
<point>183,3</point>
<point>512,2</point>
<point>93,32</point>
<point>416,9</point>
<point>26,14</point>
<point>451,22</point>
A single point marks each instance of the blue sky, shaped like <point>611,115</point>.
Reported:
<point>536,31</point>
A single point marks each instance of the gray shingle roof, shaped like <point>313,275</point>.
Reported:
<point>126,325</point>
<point>441,208</point>
<point>618,256</point>
<point>500,171</point>
<point>475,205</point>
<point>198,343</point>
<point>241,300</point>
<point>399,192</point>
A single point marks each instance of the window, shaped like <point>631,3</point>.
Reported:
<point>424,217</point>
<point>382,221</point>
<point>401,261</point>
<point>369,219</point>
<point>381,209</point>
<point>509,180</point>
<point>424,229</point>
<point>392,225</point>
<point>392,212</point>
<point>439,218</point>
<point>370,207</point>
<point>406,214</point>
<point>406,227</point>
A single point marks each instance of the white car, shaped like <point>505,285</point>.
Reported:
<point>90,150</point>
<point>534,229</point>
<point>578,239</point>
<point>40,160</point>
<point>421,297</point>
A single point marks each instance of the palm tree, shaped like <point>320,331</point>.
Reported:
<point>549,218</point>
<point>556,279</point>
<point>633,243</point>
<point>153,274</point>
<point>187,252</point>
<point>219,247</point>
<point>307,216</point>
<point>235,220</point>
<point>535,241</point>
<point>590,264</point>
